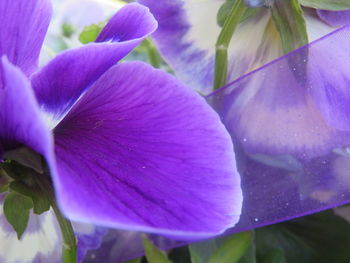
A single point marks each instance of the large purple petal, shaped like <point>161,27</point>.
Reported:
<point>335,18</point>
<point>293,105</point>
<point>60,83</point>
<point>21,121</point>
<point>23,28</point>
<point>139,141</point>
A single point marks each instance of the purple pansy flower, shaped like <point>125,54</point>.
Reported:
<point>304,104</point>
<point>128,146</point>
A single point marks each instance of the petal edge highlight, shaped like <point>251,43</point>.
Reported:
<point>147,143</point>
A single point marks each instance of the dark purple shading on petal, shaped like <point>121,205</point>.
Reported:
<point>140,151</point>
<point>60,83</point>
<point>276,188</point>
<point>20,118</point>
<point>277,109</point>
<point>23,28</point>
<point>335,18</point>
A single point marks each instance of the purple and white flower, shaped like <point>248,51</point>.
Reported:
<point>295,105</point>
<point>128,146</point>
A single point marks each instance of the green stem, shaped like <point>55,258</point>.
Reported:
<point>69,243</point>
<point>224,39</point>
<point>152,52</point>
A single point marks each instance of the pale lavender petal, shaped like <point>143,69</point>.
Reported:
<point>60,83</point>
<point>335,18</point>
<point>292,105</point>
<point>117,246</point>
<point>89,237</point>
<point>20,119</point>
<point>329,81</point>
<point>23,28</point>
<point>139,141</point>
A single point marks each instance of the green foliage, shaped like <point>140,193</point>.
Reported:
<point>223,41</point>
<point>90,33</point>
<point>334,5</point>
<point>229,249</point>
<point>250,255</point>
<point>232,249</point>
<point>40,201</point>
<point>138,260</point>
<point>319,238</point>
<point>153,254</point>
<point>24,182</point>
<point>67,30</point>
<point>225,9</point>
<point>274,256</point>
<point>16,210</point>
<point>290,23</point>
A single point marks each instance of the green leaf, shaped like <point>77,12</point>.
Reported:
<point>90,33</point>
<point>16,210</point>
<point>138,260</point>
<point>228,249</point>
<point>250,254</point>
<point>232,249</point>
<point>224,12</point>
<point>334,5</point>
<point>201,252</point>
<point>274,256</point>
<point>319,238</point>
<point>290,23</point>
<point>4,181</point>
<point>25,157</point>
<point>67,30</point>
<point>4,188</point>
<point>153,254</point>
<point>40,201</point>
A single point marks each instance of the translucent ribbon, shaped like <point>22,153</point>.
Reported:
<point>288,120</point>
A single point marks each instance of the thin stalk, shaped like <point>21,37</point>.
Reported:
<point>69,243</point>
<point>152,52</point>
<point>223,42</point>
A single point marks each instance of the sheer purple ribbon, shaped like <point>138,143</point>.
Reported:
<point>279,182</point>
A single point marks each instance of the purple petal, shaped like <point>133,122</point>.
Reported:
<point>20,118</point>
<point>329,80</point>
<point>89,237</point>
<point>293,105</point>
<point>276,188</point>
<point>60,83</point>
<point>335,18</point>
<point>132,22</point>
<point>139,141</point>
<point>23,28</point>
